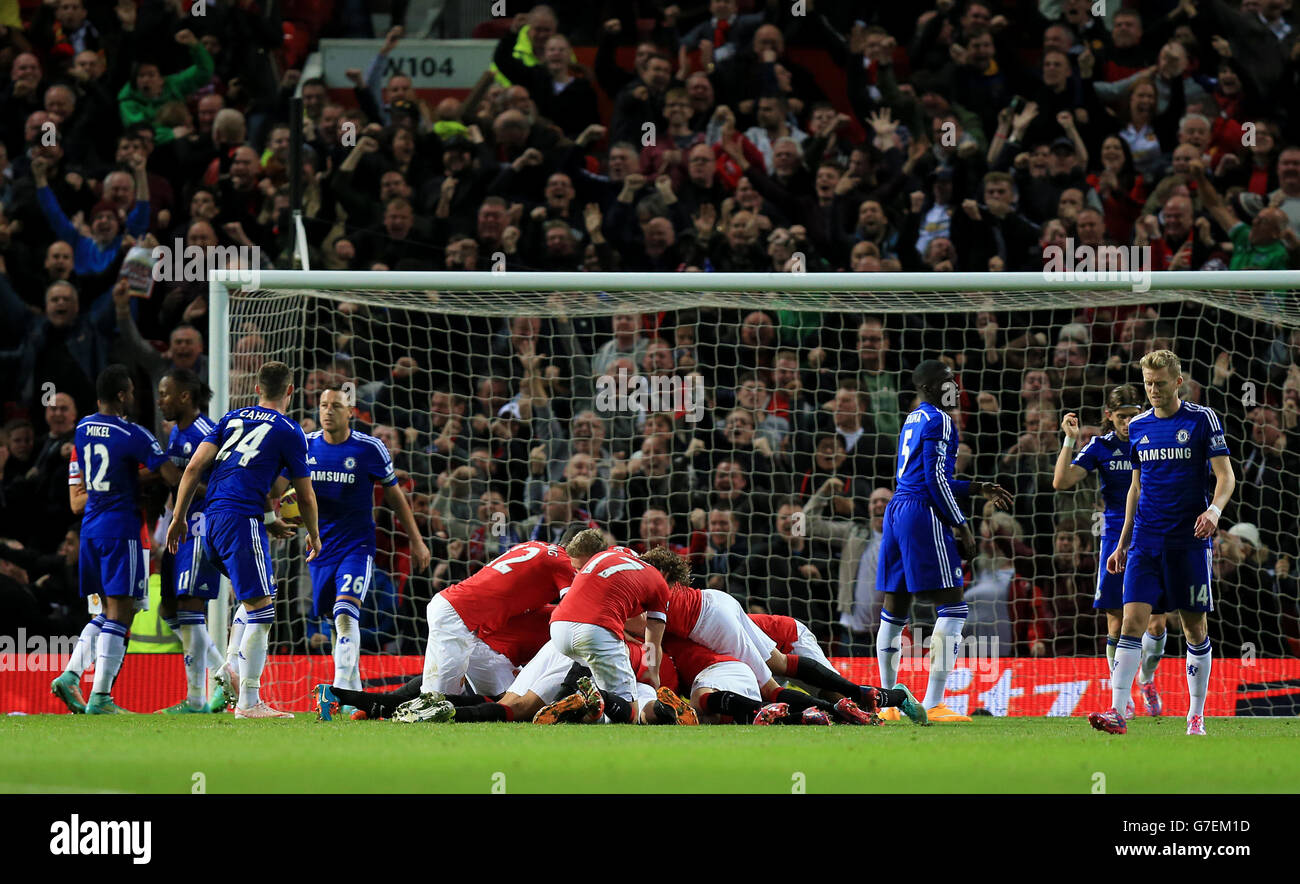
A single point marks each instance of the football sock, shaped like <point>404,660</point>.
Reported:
<point>888,641</point>
<point>475,699</point>
<point>617,710</point>
<point>944,646</point>
<point>799,701</point>
<point>1112,642</point>
<point>173,623</point>
<point>887,697</point>
<point>194,643</point>
<point>1128,656</point>
<point>1153,648</point>
<point>482,712</point>
<point>1198,676</point>
<point>347,643</point>
<point>739,707</point>
<point>810,671</point>
<point>86,649</point>
<point>112,648</point>
<point>252,655</point>
<point>237,625</point>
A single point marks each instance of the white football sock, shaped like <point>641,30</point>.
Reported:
<point>195,663</point>
<point>252,660</point>
<point>1199,661</point>
<point>1152,650</point>
<point>112,648</point>
<point>888,642</point>
<point>347,644</point>
<point>944,645</point>
<point>87,647</point>
<point>1128,655</point>
<point>236,637</point>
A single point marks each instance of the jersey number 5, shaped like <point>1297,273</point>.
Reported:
<point>906,451</point>
<point>248,447</point>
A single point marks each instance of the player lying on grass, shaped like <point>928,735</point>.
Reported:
<point>1108,454</point>
<point>715,620</point>
<point>918,552</point>
<point>519,641</point>
<point>1169,519</point>
<point>795,639</point>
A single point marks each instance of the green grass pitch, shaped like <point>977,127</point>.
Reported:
<point>162,754</point>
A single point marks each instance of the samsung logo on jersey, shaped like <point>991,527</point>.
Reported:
<point>96,430</point>
<point>333,476</point>
<point>1165,454</point>
<point>256,415</point>
<point>1120,465</point>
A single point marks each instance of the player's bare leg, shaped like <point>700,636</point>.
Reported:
<point>260,613</point>
<point>1199,661</point>
<point>1153,649</point>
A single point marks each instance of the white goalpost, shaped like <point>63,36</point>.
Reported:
<point>485,386</point>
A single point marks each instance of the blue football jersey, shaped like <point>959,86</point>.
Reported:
<point>182,444</point>
<point>927,456</point>
<point>1172,455</point>
<point>255,444</point>
<point>109,453</point>
<point>1108,456</point>
<point>343,478</point>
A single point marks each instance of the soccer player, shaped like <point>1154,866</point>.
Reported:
<point>1108,455</point>
<point>111,563</point>
<point>249,447</point>
<point>190,581</point>
<point>614,586</point>
<point>1164,547</point>
<point>795,641</point>
<point>345,465</point>
<point>918,553</point>
<point>526,576</point>
<point>720,685</point>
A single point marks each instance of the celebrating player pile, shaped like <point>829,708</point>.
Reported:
<point>1164,548</point>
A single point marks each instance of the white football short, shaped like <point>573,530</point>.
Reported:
<point>453,652</point>
<point>724,628</point>
<point>601,651</point>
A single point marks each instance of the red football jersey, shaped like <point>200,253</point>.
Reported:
<point>691,659</point>
<point>668,675</point>
<point>610,589</point>
<point>522,636</point>
<point>782,630</point>
<point>684,605</point>
<point>521,579</point>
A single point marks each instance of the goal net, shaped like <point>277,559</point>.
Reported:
<point>750,422</point>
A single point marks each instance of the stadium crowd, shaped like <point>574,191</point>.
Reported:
<point>964,137</point>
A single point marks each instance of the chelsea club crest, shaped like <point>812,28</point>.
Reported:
<point>1183,435</point>
<point>349,463</point>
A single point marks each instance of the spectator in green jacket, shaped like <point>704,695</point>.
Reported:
<point>140,103</point>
